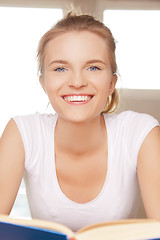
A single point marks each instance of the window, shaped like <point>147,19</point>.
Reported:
<point>20,91</point>
<point>137,34</point>
<point>21,30</point>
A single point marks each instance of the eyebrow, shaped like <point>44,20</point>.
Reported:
<point>95,61</point>
<point>88,62</point>
<point>58,61</point>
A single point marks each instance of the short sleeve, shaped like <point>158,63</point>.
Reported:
<point>137,126</point>
<point>29,129</point>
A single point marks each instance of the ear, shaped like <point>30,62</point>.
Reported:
<point>42,82</point>
<point>113,84</point>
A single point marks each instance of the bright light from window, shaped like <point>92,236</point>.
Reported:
<point>21,30</point>
<point>20,91</point>
<point>138,48</point>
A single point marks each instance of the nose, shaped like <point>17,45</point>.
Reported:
<point>77,80</point>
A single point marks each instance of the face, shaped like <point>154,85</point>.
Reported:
<point>77,75</point>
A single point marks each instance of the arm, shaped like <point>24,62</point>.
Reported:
<point>11,166</point>
<point>148,169</point>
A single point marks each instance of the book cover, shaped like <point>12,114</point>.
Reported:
<point>9,231</point>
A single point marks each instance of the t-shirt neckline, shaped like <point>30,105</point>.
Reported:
<point>64,197</point>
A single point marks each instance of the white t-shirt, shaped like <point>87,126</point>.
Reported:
<point>119,197</point>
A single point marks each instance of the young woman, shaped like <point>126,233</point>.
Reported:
<point>82,165</point>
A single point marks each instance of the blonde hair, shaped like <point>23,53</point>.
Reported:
<point>73,22</point>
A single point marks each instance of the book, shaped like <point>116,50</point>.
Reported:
<point>135,229</point>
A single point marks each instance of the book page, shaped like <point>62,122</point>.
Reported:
<point>122,231</point>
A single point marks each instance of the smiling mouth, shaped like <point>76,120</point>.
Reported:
<point>77,98</point>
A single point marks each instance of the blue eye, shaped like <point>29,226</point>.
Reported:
<point>60,69</point>
<point>93,68</point>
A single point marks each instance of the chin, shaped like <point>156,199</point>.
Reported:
<point>78,117</point>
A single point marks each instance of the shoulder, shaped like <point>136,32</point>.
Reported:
<point>36,131</point>
<point>11,131</point>
<point>35,120</point>
<point>130,129</point>
<point>36,117</point>
<point>131,118</point>
<point>11,145</point>
<point>34,126</point>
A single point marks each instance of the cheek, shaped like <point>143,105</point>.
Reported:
<point>103,84</point>
<point>104,89</point>
<point>104,95</point>
<point>51,84</point>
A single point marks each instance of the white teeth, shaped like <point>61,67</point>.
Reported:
<point>77,98</point>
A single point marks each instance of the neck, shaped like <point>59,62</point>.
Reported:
<point>77,139</point>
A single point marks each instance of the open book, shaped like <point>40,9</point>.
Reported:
<point>19,229</point>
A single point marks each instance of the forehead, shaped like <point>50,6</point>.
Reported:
<point>77,44</point>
